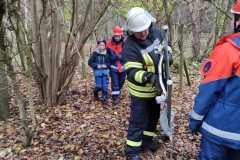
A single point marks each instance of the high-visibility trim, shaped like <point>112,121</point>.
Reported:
<point>141,94</point>
<point>115,92</point>
<point>113,67</point>
<point>134,144</point>
<point>139,76</point>
<point>221,133</point>
<point>196,116</point>
<point>133,65</point>
<point>149,62</point>
<point>141,88</point>
<point>150,134</point>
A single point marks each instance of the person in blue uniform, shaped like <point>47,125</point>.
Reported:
<point>216,111</point>
<point>99,62</point>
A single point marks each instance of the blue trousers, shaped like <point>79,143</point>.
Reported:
<point>101,83</point>
<point>211,151</point>
<point>118,80</point>
<point>142,123</point>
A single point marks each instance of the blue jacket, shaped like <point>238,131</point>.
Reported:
<point>216,112</point>
<point>97,59</point>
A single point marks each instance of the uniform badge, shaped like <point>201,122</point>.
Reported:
<point>206,67</point>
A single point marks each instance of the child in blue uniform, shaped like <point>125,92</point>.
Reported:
<point>99,62</point>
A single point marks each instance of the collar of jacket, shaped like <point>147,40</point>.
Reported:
<point>232,38</point>
<point>99,52</point>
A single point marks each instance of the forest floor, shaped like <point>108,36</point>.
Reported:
<point>83,129</point>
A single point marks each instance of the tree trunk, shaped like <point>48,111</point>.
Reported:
<point>227,21</point>
<point>83,64</point>
<point>56,66</point>
<point>168,18</point>
<point>4,96</point>
<point>196,29</point>
<point>181,63</point>
<point>217,23</point>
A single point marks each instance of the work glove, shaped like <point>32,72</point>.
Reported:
<point>194,125</point>
<point>104,66</point>
<point>120,57</point>
<point>154,80</point>
<point>101,66</point>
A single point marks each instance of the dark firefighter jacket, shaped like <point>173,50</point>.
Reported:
<point>140,59</point>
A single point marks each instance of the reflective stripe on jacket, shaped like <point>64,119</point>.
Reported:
<point>141,59</point>
<point>218,101</point>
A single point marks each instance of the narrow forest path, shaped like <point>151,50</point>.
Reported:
<point>83,129</point>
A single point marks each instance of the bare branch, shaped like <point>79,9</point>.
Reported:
<point>219,8</point>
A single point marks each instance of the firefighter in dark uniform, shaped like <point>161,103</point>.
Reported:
<point>141,64</point>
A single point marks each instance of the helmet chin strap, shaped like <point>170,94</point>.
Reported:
<point>236,27</point>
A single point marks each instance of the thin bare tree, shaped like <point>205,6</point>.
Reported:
<point>4,96</point>
<point>58,45</point>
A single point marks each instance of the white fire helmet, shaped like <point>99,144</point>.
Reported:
<point>139,19</point>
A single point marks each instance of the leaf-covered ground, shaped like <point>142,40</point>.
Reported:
<point>83,129</point>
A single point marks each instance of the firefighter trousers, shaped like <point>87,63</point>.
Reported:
<point>143,120</point>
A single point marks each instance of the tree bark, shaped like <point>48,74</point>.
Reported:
<point>4,95</point>
<point>196,29</point>
<point>168,18</point>
<point>56,66</point>
<point>181,63</point>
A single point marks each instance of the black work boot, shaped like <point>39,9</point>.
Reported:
<point>164,137</point>
<point>95,94</point>
<point>104,102</point>
<point>134,157</point>
<point>116,100</point>
<point>151,145</point>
